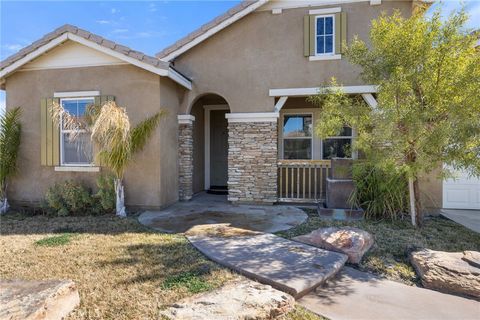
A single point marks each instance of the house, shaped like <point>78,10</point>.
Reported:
<point>235,92</point>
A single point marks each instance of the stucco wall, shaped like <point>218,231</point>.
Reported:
<point>264,51</point>
<point>150,181</point>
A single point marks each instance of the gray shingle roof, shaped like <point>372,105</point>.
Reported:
<point>203,29</point>
<point>88,36</point>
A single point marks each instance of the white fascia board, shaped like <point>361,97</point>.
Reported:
<point>178,78</point>
<point>214,30</point>
<point>280,103</point>
<point>185,119</point>
<point>303,92</point>
<point>325,11</point>
<point>75,94</point>
<point>252,117</point>
<point>292,4</point>
<point>32,55</point>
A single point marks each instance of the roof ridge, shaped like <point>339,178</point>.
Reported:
<point>68,28</point>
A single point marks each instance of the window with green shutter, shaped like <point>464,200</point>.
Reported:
<point>57,148</point>
<point>324,34</point>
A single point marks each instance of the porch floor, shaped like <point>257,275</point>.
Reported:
<point>213,209</point>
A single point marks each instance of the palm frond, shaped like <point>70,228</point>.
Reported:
<point>111,128</point>
<point>61,117</point>
<point>140,134</point>
<point>10,137</point>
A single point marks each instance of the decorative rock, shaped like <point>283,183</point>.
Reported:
<point>448,272</point>
<point>35,300</point>
<point>351,241</point>
<point>472,257</point>
<point>244,299</point>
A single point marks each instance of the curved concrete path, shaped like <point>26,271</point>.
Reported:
<point>356,295</point>
<point>214,209</point>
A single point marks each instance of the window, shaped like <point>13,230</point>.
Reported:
<point>297,136</point>
<point>324,35</point>
<point>76,151</point>
<point>339,146</point>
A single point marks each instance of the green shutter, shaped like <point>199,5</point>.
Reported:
<point>312,35</point>
<point>344,30</point>
<point>49,134</point>
<point>338,32</point>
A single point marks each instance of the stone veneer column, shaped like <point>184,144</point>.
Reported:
<point>252,157</point>
<point>185,157</point>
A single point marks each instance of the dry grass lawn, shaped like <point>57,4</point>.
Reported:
<point>122,269</point>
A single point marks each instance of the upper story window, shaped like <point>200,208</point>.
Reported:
<point>325,34</point>
<point>77,151</point>
<point>297,136</point>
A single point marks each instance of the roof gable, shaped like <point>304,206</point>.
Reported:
<point>95,42</point>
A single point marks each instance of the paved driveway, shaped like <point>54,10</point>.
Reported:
<point>467,218</point>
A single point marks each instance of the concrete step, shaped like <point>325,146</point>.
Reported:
<point>289,266</point>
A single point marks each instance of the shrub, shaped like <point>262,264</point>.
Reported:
<point>68,198</point>
<point>105,196</point>
<point>381,191</point>
<point>72,198</point>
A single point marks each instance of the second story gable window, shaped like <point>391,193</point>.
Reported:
<point>325,35</point>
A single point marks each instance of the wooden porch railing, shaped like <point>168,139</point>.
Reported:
<point>302,180</point>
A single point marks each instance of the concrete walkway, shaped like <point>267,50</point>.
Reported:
<point>213,209</point>
<point>289,266</point>
<point>467,218</point>
<point>356,295</point>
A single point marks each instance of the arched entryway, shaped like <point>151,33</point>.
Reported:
<point>210,144</point>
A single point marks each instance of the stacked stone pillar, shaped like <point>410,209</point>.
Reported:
<point>185,157</point>
<point>252,157</point>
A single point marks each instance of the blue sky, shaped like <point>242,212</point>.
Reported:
<point>147,26</point>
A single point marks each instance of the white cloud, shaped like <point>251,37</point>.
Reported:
<point>152,7</point>
<point>103,21</point>
<point>120,30</point>
<point>113,10</point>
<point>12,47</point>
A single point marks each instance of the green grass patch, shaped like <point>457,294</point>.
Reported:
<point>55,241</point>
<point>192,281</point>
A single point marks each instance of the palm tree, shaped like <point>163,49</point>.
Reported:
<point>116,142</point>
<point>10,132</point>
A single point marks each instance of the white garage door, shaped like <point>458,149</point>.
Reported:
<point>462,192</point>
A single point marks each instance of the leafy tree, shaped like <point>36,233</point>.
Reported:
<point>428,112</point>
<point>116,141</point>
<point>10,134</point>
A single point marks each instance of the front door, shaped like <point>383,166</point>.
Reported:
<point>218,148</point>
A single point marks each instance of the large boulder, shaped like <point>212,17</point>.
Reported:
<point>244,299</point>
<point>449,272</point>
<point>351,241</point>
<point>36,300</point>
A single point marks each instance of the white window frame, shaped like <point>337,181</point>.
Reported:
<point>62,131</point>
<point>282,138</point>
<point>333,35</point>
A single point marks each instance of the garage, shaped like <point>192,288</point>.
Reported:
<point>461,192</point>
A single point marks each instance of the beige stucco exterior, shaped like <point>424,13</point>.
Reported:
<point>237,66</point>
<point>150,180</point>
<point>264,51</point>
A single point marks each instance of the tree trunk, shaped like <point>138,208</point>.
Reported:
<point>3,199</point>
<point>413,207</point>
<point>418,205</point>
<point>120,199</point>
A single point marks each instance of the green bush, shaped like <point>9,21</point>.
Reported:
<point>71,198</point>
<point>381,191</point>
<point>105,196</point>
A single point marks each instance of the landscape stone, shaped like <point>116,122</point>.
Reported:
<point>472,257</point>
<point>351,241</point>
<point>289,266</point>
<point>36,300</point>
<point>243,299</point>
<point>447,272</point>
